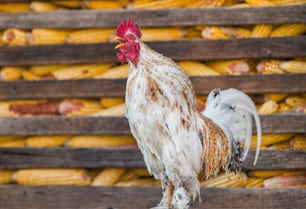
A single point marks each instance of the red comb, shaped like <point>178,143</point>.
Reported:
<point>128,25</point>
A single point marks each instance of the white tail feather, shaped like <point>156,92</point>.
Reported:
<point>232,110</point>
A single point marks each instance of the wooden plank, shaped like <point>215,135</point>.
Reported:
<point>153,18</point>
<point>96,88</point>
<point>63,157</point>
<point>86,197</point>
<point>61,125</point>
<point>198,49</point>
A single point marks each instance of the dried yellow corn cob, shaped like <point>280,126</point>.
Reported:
<point>46,141</point>
<point>55,176</point>
<point>28,75</point>
<point>259,2</point>
<point>142,172</point>
<point>236,32</point>
<point>47,36</point>
<point>14,37</point>
<point>289,30</point>
<point>265,173</point>
<point>101,4</point>
<point>269,67</point>
<point>79,107</point>
<point>205,3</point>
<point>230,2</point>
<point>160,4</point>
<point>283,107</point>
<point>254,182</point>
<point>213,32</point>
<point>121,71</point>
<point>193,68</point>
<point>286,181</point>
<point>157,34</point>
<point>90,36</point>
<point>275,97</point>
<point>117,110</point>
<point>81,71</point>
<point>9,138</point>
<point>234,67</point>
<point>108,177</point>
<point>262,30</point>
<point>219,180</point>
<point>6,176</point>
<point>10,73</point>
<point>14,7</point>
<point>68,3</point>
<point>38,6</point>
<point>294,101</point>
<point>101,141</point>
<point>270,139</point>
<point>130,175</point>
<point>107,102</point>
<point>293,66</point>
<point>5,109</point>
<point>16,142</point>
<point>281,146</point>
<point>43,70</point>
<point>288,2</point>
<point>139,182</point>
<point>298,142</point>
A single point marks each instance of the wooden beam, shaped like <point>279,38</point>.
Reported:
<point>87,125</point>
<point>153,18</point>
<point>96,88</point>
<point>86,197</point>
<point>198,49</point>
<point>63,157</point>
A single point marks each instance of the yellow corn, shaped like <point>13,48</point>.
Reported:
<point>6,176</point>
<point>117,110</point>
<point>139,182</point>
<point>158,34</point>
<point>28,75</point>
<point>101,141</point>
<point>234,67</point>
<point>110,102</point>
<point>289,30</point>
<point>81,71</point>
<point>79,107</point>
<point>108,177</point>
<point>90,36</point>
<point>43,70</point>
<point>298,142</point>
<point>213,32</point>
<point>160,4</point>
<point>259,2</point>
<point>298,181</point>
<point>262,30</point>
<point>275,97</point>
<point>222,179</point>
<point>55,176</point>
<point>266,173</point>
<point>14,37</point>
<point>46,141</point>
<point>254,182</point>
<point>281,146</point>
<point>236,32</point>
<point>206,3</point>
<point>102,4</point>
<point>194,68</point>
<point>283,107</point>
<point>38,6</point>
<point>131,175</point>
<point>270,139</point>
<point>47,36</point>
<point>293,66</point>
<point>10,73</point>
<point>68,3</point>
<point>288,2</point>
<point>230,2</point>
<point>14,142</point>
<point>121,71</point>
<point>14,7</point>
<point>269,67</point>
<point>294,101</point>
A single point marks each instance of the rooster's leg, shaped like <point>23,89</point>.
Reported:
<point>168,193</point>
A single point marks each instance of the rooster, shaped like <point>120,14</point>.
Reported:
<point>181,145</point>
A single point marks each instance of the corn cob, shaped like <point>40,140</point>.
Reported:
<point>262,30</point>
<point>213,32</point>
<point>109,102</point>
<point>142,172</point>
<point>289,30</point>
<point>117,110</point>
<point>294,101</point>
<point>7,110</point>
<point>254,182</point>
<point>14,37</point>
<point>158,34</point>
<point>68,3</point>
<point>121,71</point>
<point>298,181</point>
<point>269,67</point>
<point>101,4</point>
<point>160,4</point>
<point>10,73</point>
<point>234,67</point>
<point>298,142</point>
<point>14,7</point>
<point>37,108</point>
<point>101,141</point>
<point>108,177</point>
<point>275,97</point>
<point>46,141</point>
<point>47,36</point>
<point>139,182</point>
<point>6,176</point>
<point>283,107</point>
<point>230,2</point>
<point>266,173</point>
<point>206,3</point>
<point>55,176</point>
<point>293,66</point>
<point>90,36</point>
<point>38,6</point>
<point>79,107</point>
<point>81,71</point>
<point>236,32</point>
<point>193,68</point>
<point>43,70</point>
<point>28,75</point>
<point>130,175</point>
<point>16,142</point>
<point>288,2</point>
<point>259,2</point>
<point>270,139</point>
<point>220,179</point>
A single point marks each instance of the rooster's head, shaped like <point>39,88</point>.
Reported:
<point>128,35</point>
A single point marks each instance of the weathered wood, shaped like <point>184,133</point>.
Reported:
<point>38,197</point>
<point>61,125</point>
<point>96,88</point>
<point>198,49</point>
<point>162,17</point>
<point>17,158</point>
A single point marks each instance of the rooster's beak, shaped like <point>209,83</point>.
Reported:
<point>118,38</point>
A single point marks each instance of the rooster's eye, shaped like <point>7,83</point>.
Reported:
<point>131,37</point>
